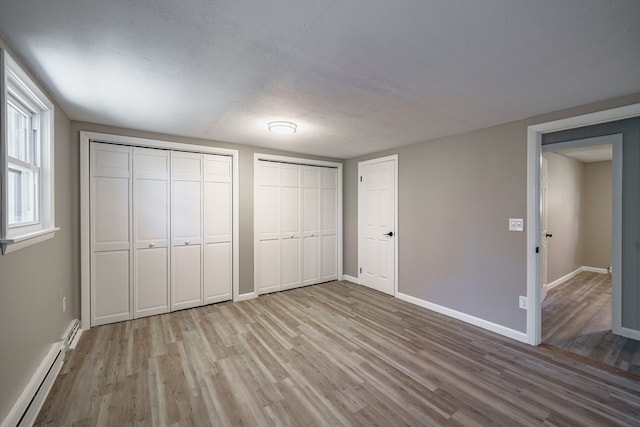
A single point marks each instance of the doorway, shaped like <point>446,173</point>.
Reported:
<point>576,240</point>
<point>378,224</point>
<point>618,120</point>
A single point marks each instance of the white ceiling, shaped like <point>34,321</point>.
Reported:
<point>356,76</point>
<point>590,153</point>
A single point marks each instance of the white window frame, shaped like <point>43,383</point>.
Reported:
<point>15,83</point>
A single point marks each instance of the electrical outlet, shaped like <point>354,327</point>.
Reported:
<point>522,300</point>
<point>516,224</point>
<point>64,304</point>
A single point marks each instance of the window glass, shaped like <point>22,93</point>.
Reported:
<point>18,133</point>
<point>23,191</point>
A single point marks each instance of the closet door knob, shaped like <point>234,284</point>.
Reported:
<point>151,245</point>
<point>186,242</point>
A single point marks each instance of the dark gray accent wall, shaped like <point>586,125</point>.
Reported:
<point>245,161</point>
<point>630,130</point>
<point>34,280</point>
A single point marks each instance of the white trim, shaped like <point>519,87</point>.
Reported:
<point>534,143</point>
<point>15,243</point>
<point>246,296</point>
<point>351,279</point>
<point>573,274</point>
<point>85,138</point>
<point>393,157</point>
<point>26,408</point>
<point>476,321</point>
<point>594,269</point>
<point>14,78</point>
<point>305,162</point>
<point>72,335</point>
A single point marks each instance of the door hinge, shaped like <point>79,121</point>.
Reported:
<point>360,269</point>
<point>537,249</point>
<point>360,179</point>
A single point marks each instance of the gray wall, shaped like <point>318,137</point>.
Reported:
<point>455,196</point>
<point>596,206</point>
<point>34,280</point>
<point>564,215</point>
<point>579,215</point>
<point>246,183</point>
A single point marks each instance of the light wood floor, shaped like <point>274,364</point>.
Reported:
<point>576,316</point>
<point>331,354</point>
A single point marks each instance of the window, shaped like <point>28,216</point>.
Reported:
<point>26,159</point>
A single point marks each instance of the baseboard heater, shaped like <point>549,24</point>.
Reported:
<point>28,405</point>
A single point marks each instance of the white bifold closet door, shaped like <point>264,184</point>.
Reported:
<point>296,225</point>
<point>161,231</point>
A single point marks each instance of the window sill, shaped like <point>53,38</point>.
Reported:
<point>15,243</point>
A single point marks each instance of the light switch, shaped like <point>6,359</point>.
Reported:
<point>516,224</point>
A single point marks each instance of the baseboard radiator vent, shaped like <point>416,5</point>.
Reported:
<point>72,335</point>
<point>26,409</point>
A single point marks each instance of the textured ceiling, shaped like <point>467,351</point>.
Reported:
<point>356,76</point>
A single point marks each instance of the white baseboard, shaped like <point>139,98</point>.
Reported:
<point>481,323</point>
<point>28,405</point>
<point>351,279</point>
<point>574,273</point>
<point>247,296</point>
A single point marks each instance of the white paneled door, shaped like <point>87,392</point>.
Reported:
<point>296,220</point>
<point>377,218</point>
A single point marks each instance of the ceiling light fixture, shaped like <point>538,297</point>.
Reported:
<point>282,128</point>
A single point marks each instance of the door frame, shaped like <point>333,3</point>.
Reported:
<point>534,154</point>
<point>303,162</point>
<point>394,158</point>
<point>85,250</point>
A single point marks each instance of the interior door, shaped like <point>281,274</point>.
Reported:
<point>377,224</point>
<point>186,218</point>
<point>217,228</point>
<point>151,231</point>
<point>110,170</point>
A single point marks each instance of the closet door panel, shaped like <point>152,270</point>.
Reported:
<point>186,283</point>
<point>151,281</point>
<point>217,272</point>
<point>290,263</point>
<point>187,215</point>
<point>329,258</point>
<point>110,229</point>
<point>151,231</point>
<point>186,239</point>
<point>110,290</point>
<point>311,225</point>
<point>268,276</point>
<point>290,226</point>
<point>217,229</point>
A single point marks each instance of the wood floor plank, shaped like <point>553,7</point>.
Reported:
<point>576,316</point>
<point>330,354</point>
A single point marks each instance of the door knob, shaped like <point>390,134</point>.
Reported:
<point>151,245</point>
<point>186,242</point>
<point>548,235</point>
<point>390,234</point>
